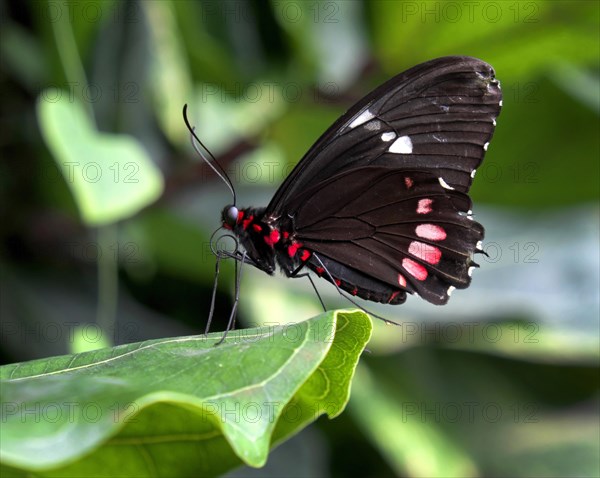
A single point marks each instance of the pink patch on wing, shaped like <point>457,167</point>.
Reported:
<point>425,252</point>
<point>409,182</point>
<point>414,269</point>
<point>431,232</point>
<point>424,206</point>
<point>401,280</point>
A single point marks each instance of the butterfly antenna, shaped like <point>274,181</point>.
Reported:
<point>195,141</point>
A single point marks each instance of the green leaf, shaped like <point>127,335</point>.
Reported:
<point>110,176</point>
<point>181,405</point>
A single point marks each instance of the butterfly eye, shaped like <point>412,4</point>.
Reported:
<point>231,216</point>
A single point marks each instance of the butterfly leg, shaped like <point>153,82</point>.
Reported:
<point>349,299</point>
<point>295,275</point>
<point>238,279</point>
<point>214,293</point>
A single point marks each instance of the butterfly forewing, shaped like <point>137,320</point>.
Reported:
<point>447,107</point>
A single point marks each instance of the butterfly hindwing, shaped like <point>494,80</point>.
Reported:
<point>399,227</point>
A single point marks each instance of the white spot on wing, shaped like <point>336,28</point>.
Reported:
<point>403,145</point>
<point>494,121</point>
<point>486,146</point>
<point>470,271</point>
<point>444,184</point>
<point>373,125</point>
<point>500,103</point>
<point>479,246</point>
<point>362,118</point>
<point>450,290</point>
<point>473,173</point>
<point>390,135</point>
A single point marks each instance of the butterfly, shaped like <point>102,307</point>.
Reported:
<point>379,205</point>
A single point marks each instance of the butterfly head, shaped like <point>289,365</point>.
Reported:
<point>230,216</point>
<point>256,237</point>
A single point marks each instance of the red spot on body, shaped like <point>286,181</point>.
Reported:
<point>246,222</point>
<point>401,280</point>
<point>305,255</point>
<point>227,226</point>
<point>393,296</point>
<point>272,238</point>
<point>425,252</point>
<point>240,216</point>
<point>431,232</point>
<point>319,270</point>
<point>409,182</point>
<point>424,206</point>
<point>414,269</point>
<point>338,282</point>
<point>286,234</point>
<point>354,291</point>
<point>257,227</point>
<point>293,249</point>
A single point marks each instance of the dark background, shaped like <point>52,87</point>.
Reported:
<point>502,381</point>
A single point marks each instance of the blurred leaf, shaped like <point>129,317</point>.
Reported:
<point>519,39</point>
<point>85,17</point>
<point>329,36</point>
<point>176,246</point>
<point>81,342</point>
<point>300,128</point>
<point>411,446</point>
<point>171,81</point>
<point>580,84</point>
<point>265,165</point>
<point>22,56</point>
<point>498,414</point>
<point>110,176</point>
<point>209,58</point>
<point>106,408</point>
<point>266,299</point>
<point>222,118</point>
<point>548,445</point>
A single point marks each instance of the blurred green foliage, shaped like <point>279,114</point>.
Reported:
<point>502,381</point>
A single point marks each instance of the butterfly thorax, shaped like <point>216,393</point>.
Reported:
<point>267,241</point>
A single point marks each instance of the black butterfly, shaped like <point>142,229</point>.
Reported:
<point>379,204</point>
